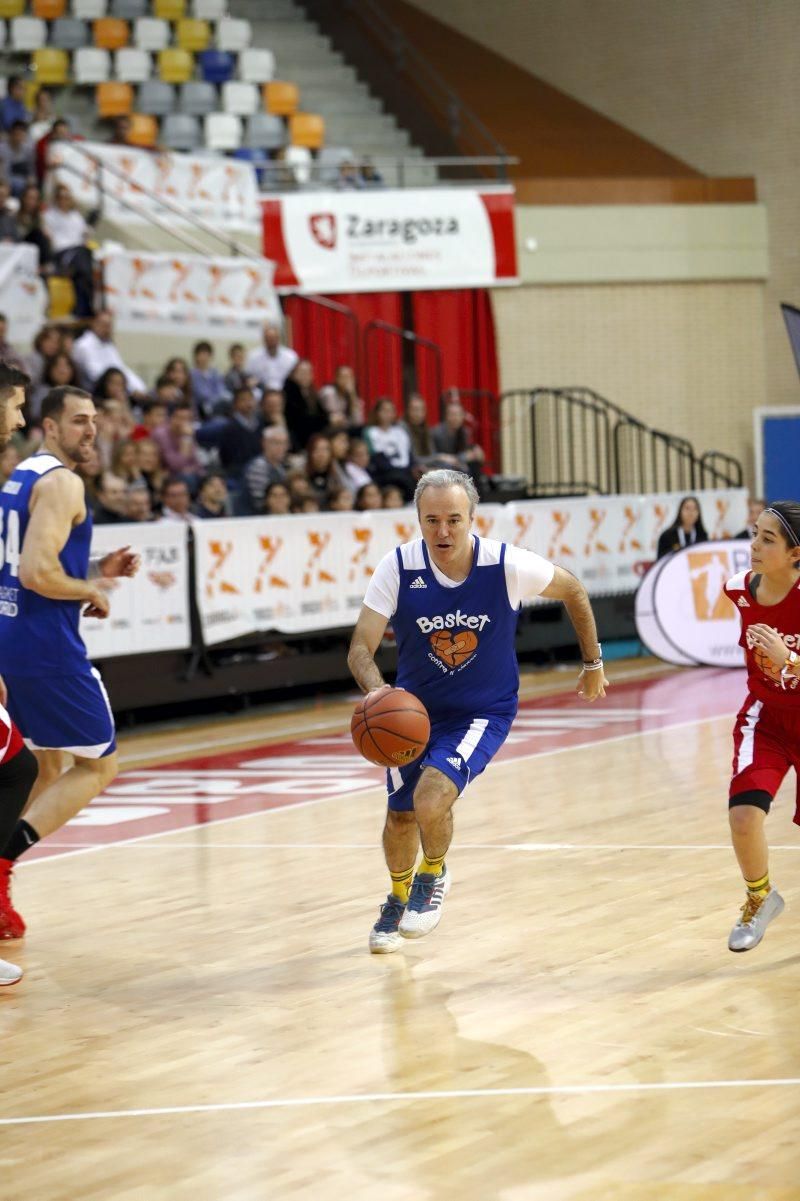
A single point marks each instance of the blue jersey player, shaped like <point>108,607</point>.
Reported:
<point>55,696</point>
<point>453,600</point>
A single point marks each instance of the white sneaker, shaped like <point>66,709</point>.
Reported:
<point>384,937</point>
<point>424,909</point>
<point>9,973</point>
<point>756,916</point>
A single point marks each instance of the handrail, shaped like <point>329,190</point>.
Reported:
<point>341,310</point>
<point>273,174</point>
<point>405,335</point>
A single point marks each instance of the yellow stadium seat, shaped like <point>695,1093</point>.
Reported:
<point>169,10</point>
<point>31,87</point>
<point>110,33</point>
<point>12,8</point>
<point>193,35</point>
<point>143,130</point>
<point>114,99</point>
<point>62,297</point>
<point>49,10</point>
<point>307,129</point>
<point>51,66</point>
<point>175,66</point>
<point>281,98</point>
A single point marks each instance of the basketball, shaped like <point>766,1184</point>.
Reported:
<point>392,730</point>
<point>763,661</point>
<point>453,649</point>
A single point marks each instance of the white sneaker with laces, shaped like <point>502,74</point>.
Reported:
<point>9,973</point>
<point>756,916</point>
<point>424,909</point>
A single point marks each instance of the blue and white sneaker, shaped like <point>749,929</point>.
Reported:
<point>384,936</point>
<point>424,909</point>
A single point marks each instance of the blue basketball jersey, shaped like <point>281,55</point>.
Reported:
<point>455,646</point>
<point>38,636</point>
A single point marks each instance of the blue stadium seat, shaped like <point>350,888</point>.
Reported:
<point>217,66</point>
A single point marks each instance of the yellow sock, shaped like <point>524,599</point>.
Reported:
<point>758,888</point>
<point>401,884</point>
<point>431,867</point>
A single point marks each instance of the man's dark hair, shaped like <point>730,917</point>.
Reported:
<point>53,403</point>
<point>180,406</point>
<point>2,315</point>
<point>235,346</point>
<point>18,125</point>
<point>11,377</point>
<point>153,403</point>
<point>199,346</point>
<point>12,80</point>
<point>171,481</point>
<point>242,392</point>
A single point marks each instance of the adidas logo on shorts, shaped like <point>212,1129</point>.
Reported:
<point>455,762</point>
<point>418,583</point>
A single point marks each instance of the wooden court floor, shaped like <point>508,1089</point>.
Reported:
<point>200,1019</point>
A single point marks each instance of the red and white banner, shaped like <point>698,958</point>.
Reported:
<point>205,295</point>
<point>391,240</point>
<point>220,190</point>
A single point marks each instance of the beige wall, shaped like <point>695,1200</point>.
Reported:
<point>684,357</point>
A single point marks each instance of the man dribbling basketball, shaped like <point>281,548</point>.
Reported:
<point>453,600</point>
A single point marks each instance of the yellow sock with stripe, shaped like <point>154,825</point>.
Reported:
<point>401,884</point>
<point>431,867</point>
<point>758,888</point>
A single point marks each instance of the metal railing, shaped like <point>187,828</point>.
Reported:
<point>394,337</point>
<point>407,171</point>
<point>483,410</point>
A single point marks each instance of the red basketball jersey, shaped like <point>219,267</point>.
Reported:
<point>763,677</point>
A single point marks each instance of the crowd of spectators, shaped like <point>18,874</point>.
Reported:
<point>254,436</point>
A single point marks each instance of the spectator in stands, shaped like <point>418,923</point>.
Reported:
<point>340,448</point>
<point>452,437</point>
<point>309,504</point>
<point>46,343</point>
<point>8,216</point>
<point>416,422</point>
<point>341,400</point>
<point>299,486</point>
<point>114,423</point>
<point>153,414</point>
<point>370,175</point>
<point>277,500</point>
<point>348,178</point>
<point>125,463</point>
<point>208,386</point>
<point>368,497</point>
<point>178,374</point>
<point>17,158</point>
<point>12,106</point>
<point>238,440</point>
<point>177,444</point>
<point>273,409</point>
<point>236,375</point>
<point>59,132</point>
<point>304,412</point>
<point>29,226</point>
<point>112,385</point>
<point>148,457</point>
<point>120,131</point>
<point>320,467</point>
<point>58,371</point>
<point>10,459</point>
<point>393,497</point>
<point>137,503</point>
<point>90,472</point>
<point>389,443</point>
<point>357,465</point>
<point>755,507</point>
<point>686,529</point>
<point>42,115</point>
<point>273,364</point>
<point>95,352</point>
<point>269,467</point>
<point>176,501</point>
<point>109,507</point>
<point>212,499</point>
<point>69,234</point>
<point>340,500</point>
<point>7,352</point>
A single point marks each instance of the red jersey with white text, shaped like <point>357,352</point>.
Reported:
<point>763,676</point>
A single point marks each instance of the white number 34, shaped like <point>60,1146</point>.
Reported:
<point>9,541</point>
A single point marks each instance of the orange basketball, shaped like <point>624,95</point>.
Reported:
<point>453,648</point>
<point>392,730</point>
<point>770,669</point>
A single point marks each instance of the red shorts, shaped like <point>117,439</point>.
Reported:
<point>766,743</point>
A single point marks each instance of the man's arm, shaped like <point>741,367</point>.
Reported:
<point>56,502</point>
<point>366,639</point>
<point>566,588</point>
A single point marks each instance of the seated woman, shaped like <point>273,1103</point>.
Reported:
<point>686,529</point>
<point>390,447</point>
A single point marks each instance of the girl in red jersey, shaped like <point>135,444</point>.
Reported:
<point>766,737</point>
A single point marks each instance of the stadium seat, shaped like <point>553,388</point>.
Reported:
<point>11,8</point>
<point>62,297</point>
<point>50,65</point>
<point>90,65</point>
<point>298,159</point>
<point>133,65</point>
<point>143,130</point>
<point>209,10</point>
<point>330,159</point>
<point>265,132</point>
<point>49,10</point>
<point>129,10</point>
<point>192,34</point>
<point>155,97</point>
<point>89,10</point>
<point>233,35</point>
<point>197,98</point>
<point>2,34</point>
<point>307,129</point>
<point>175,65</point>
<point>256,66</point>
<point>217,66</point>
<point>169,10</point>
<point>28,33</point>
<point>222,131</point>
<point>241,99</point>
<point>110,33</point>
<point>70,34</point>
<point>281,97</point>
<point>180,131</point>
<point>151,34</point>
<point>114,99</point>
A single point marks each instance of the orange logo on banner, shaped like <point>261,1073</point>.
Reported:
<point>708,571</point>
<point>454,649</point>
<point>404,532</point>
<point>270,547</point>
<point>318,544</point>
<point>561,521</point>
<point>720,531</point>
<point>523,522</point>
<point>660,514</point>
<point>220,551</point>
<point>630,521</point>
<point>164,168</point>
<point>597,517</point>
<point>182,272</point>
<point>483,525</point>
<point>359,559</point>
<point>161,579</point>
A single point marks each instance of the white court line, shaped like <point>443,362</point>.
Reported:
<point>594,744</point>
<point>370,846</point>
<point>455,1094</point>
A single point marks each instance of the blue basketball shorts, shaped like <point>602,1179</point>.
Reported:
<point>459,749</point>
<point>65,713</point>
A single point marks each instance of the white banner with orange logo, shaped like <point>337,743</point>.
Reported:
<point>304,573</point>
<point>218,189</point>
<point>24,296</point>
<point>151,611</point>
<point>158,291</point>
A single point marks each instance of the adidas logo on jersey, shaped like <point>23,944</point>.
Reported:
<point>418,583</point>
<point>455,762</point>
<point>743,602</point>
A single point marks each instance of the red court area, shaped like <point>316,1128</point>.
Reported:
<point>193,792</point>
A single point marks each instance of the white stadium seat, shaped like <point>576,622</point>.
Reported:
<point>256,66</point>
<point>132,65</point>
<point>151,33</point>
<point>299,159</point>
<point>233,35</point>
<point>28,33</point>
<point>2,34</point>
<point>242,99</point>
<point>222,131</point>
<point>89,10</point>
<point>209,10</point>
<point>90,65</point>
